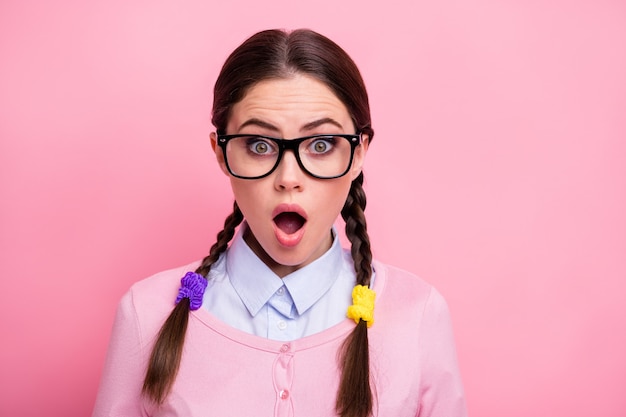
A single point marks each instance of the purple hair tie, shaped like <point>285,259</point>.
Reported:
<point>192,287</point>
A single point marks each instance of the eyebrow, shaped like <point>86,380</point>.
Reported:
<point>309,126</point>
<point>258,122</point>
<point>320,122</point>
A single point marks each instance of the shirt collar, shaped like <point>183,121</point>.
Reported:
<point>256,283</point>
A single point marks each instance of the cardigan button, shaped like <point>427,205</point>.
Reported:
<point>283,394</point>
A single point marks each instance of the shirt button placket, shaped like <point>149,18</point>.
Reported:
<point>283,379</point>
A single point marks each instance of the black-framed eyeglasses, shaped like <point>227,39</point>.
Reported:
<point>320,156</point>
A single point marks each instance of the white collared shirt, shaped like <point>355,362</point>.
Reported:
<point>246,294</point>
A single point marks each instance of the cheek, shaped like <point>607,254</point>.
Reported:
<point>246,195</point>
<point>334,198</point>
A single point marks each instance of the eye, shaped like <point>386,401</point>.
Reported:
<point>322,145</point>
<point>259,146</point>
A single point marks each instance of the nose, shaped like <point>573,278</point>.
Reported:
<point>288,174</point>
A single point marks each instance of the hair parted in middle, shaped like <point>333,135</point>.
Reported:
<point>277,54</point>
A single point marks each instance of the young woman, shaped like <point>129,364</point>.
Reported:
<point>278,319</point>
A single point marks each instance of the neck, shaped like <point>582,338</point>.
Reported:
<point>279,269</point>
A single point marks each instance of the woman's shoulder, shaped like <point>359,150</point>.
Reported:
<point>410,309</point>
<point>163,279</point>
<point>156,294</point>
<point>398,286</point>
<point>393,278</point>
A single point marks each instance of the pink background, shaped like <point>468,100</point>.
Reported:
<point>498,173</point>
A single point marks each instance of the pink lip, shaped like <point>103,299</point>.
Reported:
<point>281,208</point>
<point>289,240</point>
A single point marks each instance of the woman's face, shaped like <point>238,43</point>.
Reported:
<point>290,213</point>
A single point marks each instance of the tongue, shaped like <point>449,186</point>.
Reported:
<point>289,222</point>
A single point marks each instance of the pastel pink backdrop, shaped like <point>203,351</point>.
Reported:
<point>498,173</point>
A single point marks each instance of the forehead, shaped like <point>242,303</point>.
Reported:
<point>289,104</point>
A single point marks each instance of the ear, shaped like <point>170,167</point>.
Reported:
<point>219,155</point>
<point>359,156</point>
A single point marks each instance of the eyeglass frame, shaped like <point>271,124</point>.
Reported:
<point>293,145</point>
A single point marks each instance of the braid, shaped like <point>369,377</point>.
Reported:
<point>223,237</point>
<point>356,231</point>
<point>354,398</point>
<point>168,349</point>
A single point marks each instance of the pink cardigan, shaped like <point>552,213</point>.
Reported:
<point>227,372</point>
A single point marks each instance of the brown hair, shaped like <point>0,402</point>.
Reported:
<point>279,54</point>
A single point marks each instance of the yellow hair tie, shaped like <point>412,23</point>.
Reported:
<point>362,307</point>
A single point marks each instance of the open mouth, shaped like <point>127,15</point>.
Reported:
<point>289,222</point>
